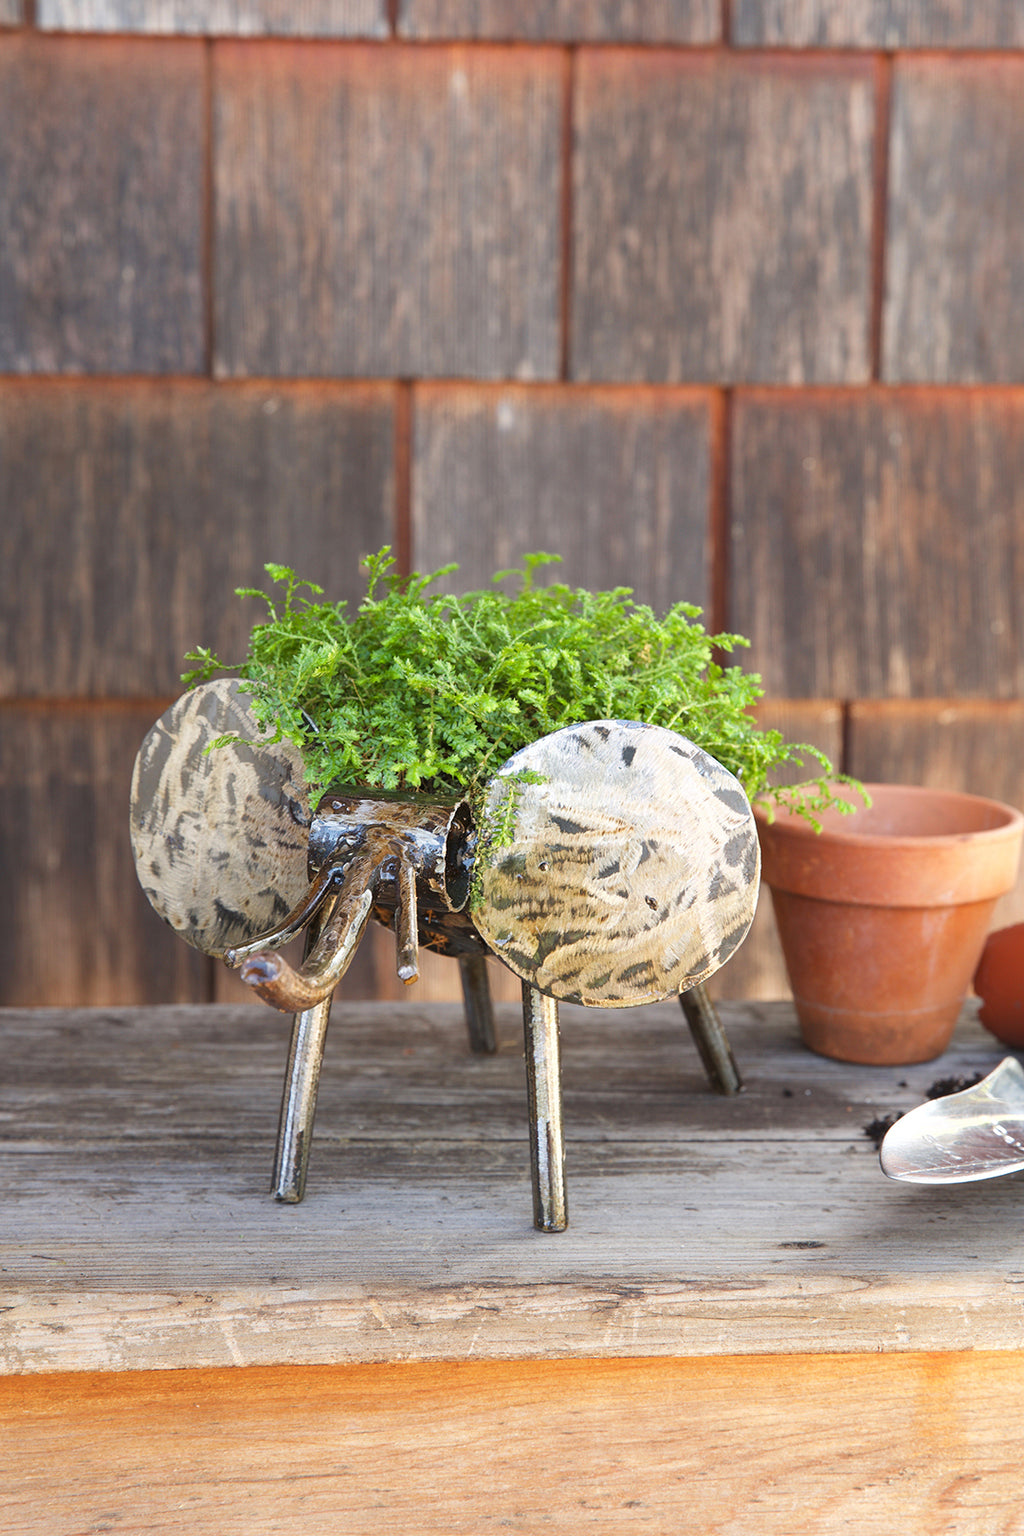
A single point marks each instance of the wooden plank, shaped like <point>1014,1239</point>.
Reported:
<point>246,18</point>
<point>616,481</point>
<point>854,569</point>
<point>800,1447</point>
<point>387,211</point>
<point>878,23</point>
<point>956,160</point>
<point>567,21</point>
<point>721,218</point>
<point>138,1232</point>
<point>140,508</point>
<point>974,746</point>
<point>757,969</point>
<point>101,198</point>
<point>74,924</point>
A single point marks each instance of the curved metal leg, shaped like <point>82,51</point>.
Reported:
<point>710,1040</point>
<point>544,1100</point>
<point>476,994</point>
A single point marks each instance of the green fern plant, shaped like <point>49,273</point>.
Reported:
<point>427,691</point>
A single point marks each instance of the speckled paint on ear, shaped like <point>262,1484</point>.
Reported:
<point>219,837</point>
<point>627,869</point>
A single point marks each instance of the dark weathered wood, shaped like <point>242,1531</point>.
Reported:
<point>133,512</point>
<point>798,1446</point>
<point>878,23</point>
<point>615,481</point>
<point>721,218</point>
<point>295,18</point>
<point>622,21</point>
<point>387,211</point>
<point>74,924</point>
<point>945,744</point>
<point>757,969</point>
<point>101,196</point>
<point>878,542</point>
<point>955,230</point>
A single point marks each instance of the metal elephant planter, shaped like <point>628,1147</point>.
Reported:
<point>610,864</point>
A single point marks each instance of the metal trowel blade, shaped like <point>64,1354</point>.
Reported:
<point>975,1134</point>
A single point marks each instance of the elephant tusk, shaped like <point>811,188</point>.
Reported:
<point>327,881</point>
<point>406,924</point>
<point>292,991</point>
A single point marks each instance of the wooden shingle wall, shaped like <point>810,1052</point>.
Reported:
<point>721,299</point>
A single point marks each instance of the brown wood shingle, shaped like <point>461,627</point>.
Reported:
<point>140,507</point>
<point>101,197</point>
<point>954,269</point>
<point>878,542</point>
<point>721,218</point>
<point>878,23</point>
<point>571,21</point>
<point>290,18</point>
<point>614,481</point>
<point>387,211</point>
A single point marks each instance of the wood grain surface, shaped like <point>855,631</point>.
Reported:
<point>618,482</point>
<point>954,261</point>
<point>141,507</point>
<point>387,211</point>
<point>721,218</point>
<point>139,1234</point>
<point>798,1446</point>
<point>878,23</point>
<point>570,21</point>
<point>877,542</point>
<point>101,155</point>
<point>293,18</point>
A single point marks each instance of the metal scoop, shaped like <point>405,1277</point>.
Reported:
<point>976,1134</point>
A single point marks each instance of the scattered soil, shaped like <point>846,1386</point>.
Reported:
<point>947,1085</point>
<point>877,1128</point>
<point>940,1089</point>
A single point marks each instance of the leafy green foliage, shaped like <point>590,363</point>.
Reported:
<point>435,692</point>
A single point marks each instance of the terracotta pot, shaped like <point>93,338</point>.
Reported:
<point>883,915</point>
<point>999,982</point>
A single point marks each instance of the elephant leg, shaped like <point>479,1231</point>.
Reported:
<point>476,995</point>
<point>298,1102</point>
<point>544,1104</point>
<point>710,1040</point>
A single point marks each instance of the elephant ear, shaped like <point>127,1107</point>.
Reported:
<point>219,837</point>
<point>617,864</point>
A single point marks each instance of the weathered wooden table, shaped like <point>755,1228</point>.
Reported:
<point>746,1328</point>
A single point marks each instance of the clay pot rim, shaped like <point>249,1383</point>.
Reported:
<point>791,824</point>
